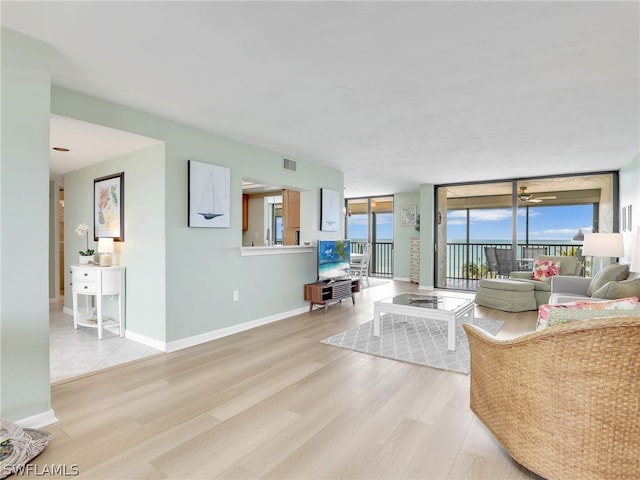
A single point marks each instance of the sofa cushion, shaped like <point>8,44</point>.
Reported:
<point>568,265</point>
<point>505,284</point>
<point>549,315</point>
<point>610,273</point>
<point>537,285</point>
<point>545,269</point>
<point>625,288</point>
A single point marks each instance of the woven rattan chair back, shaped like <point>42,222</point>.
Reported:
<point>564,401</point>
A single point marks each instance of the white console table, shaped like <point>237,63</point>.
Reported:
<point>93,280</point>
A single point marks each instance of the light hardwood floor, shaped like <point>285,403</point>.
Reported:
<point>274,402</point>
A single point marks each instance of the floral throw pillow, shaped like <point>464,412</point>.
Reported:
<point>545,269</point>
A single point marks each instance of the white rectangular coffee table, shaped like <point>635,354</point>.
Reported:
<point>436,307</point>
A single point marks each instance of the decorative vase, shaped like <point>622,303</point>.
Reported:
<point>84,259</point>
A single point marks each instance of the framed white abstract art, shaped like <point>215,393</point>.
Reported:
<point>329,210</point>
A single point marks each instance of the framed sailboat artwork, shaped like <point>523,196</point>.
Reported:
<point>209,195</point>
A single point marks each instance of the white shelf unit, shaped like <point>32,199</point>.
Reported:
<point>414,261</point>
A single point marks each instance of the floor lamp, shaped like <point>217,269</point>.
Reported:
<point>602,246</point>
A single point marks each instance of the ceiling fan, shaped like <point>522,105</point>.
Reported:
<point>523,196</point>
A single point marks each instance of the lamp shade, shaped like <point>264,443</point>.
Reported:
<point>603,245</point>
<point>105,245</point>
<point>635,253</point>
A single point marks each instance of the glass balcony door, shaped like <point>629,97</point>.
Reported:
<point>527,217</point>
<point>370,220</point>
<point>476,217</point>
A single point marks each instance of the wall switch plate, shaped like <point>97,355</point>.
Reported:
<point>236,295</point>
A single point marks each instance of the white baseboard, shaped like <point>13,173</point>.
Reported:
<point>224,332</point>
<point>53,300</point>
<point>38,421</point>
<point>148,341</point>
<point>400,279</point>
<point>203,337</point>
<point>425,287</point>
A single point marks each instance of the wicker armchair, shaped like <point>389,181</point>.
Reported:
<point>565,401</point>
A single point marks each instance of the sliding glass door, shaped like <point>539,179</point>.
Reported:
<point>370,220</point>
<point>474,217</point>
<point>521,219</point>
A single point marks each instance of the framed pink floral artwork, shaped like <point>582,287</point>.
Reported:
<point>108,207</point>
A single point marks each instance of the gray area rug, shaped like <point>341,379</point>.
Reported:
<point>415,340</point>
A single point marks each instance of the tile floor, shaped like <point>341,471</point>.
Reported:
<point>77,352</point>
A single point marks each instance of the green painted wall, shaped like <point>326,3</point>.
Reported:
<point>142,252</point>
<point>24,223</point>
<point>629,184</point>
<point>402,235</point>
<point>629,187</point>
<point>52,240</point>
<point>204,266</point>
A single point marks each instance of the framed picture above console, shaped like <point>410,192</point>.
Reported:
<point>108,207</point>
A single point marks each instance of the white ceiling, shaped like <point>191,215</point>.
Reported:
<point>88,144</point>
<point>394,94</point>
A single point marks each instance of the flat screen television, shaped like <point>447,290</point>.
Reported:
<point>334,258</point>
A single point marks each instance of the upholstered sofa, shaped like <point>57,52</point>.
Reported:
<point>520,292</point>
<point>563,401</point>
<point>612,282</point>
<point>569,266</point>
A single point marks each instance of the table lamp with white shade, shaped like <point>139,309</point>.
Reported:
<point>105,249</point>
<point>602,246</point>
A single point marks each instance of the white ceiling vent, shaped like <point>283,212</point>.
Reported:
<point>289,164</point>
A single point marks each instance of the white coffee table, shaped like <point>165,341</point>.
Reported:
<point>436,307</point>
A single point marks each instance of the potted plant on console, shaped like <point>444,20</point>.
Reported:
<point>86,256</point>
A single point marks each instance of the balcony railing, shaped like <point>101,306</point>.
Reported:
<point>381,262</point>
<point>467,261</point>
